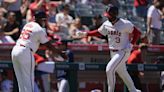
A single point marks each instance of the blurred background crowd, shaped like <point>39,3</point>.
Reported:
<point>65,17</point>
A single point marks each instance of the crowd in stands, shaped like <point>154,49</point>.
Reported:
<point>66,17</point>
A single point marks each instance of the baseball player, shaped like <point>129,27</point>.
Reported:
<point>121,35</point>
<point>22,53</point>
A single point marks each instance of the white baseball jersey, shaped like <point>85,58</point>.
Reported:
<point>32,35</point>
<point>155,14</point>
<point>118,34</point>
<point>118,37</point>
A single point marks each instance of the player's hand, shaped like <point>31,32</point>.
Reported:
<point>81,34</point>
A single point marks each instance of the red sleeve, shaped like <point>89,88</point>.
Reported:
<point>93,33</point>
<point>131,58</point>
<point>135,57</point>
<point>136,35</point>
<point>38,58</point>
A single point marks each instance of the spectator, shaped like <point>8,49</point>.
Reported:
<point>97,22</point>
<point>49,68</point>
<point>154,23</point>
<point>2,20</point>
<point>137,57</point>
<point>37,5</point>
<point>77,26</point>
<point>48,7</point>
<point>24,8</point>
<point>140,7</point>
<point>11,28</point>
<point>5,39</point>
<point>62,75</point>
<point>52,12</point>
<point>88,2</point>
<point>6,84</point>
<point>71,2</point>
<point>63,20</point>
<point>14,6</point>
<point>45,85</point>
<point>63,85</point>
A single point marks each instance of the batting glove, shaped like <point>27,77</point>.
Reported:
<point>81,34</point>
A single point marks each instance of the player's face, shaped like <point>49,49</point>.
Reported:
<point>43,22</point>
<point>111,18</point>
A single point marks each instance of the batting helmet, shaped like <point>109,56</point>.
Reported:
<point>40,15</point>
<point>111,11</point>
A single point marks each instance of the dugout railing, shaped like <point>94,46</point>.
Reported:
<point>75,67</point>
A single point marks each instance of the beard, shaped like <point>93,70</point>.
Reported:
<point>43,24</point>
<point>112,19</point>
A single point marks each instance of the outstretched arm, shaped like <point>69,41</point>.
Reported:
<point>89,33</point>
<point>53,49</point>
<point>93,33</point>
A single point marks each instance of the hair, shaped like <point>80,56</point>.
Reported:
<point>65,7</point>
<point>143,46</point>
<point>97,17</point>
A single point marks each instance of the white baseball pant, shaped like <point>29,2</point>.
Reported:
<point>63,85</point>
<point>118,64</point>
<point>23,63</point>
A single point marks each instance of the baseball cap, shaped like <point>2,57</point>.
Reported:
<point>40,14</point>
<point>111,11</point>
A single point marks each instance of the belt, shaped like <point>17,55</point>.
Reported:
<point>25,46</point>
<point>114,50</point>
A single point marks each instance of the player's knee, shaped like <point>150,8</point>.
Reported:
<point>109,70</point>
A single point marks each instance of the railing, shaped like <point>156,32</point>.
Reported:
<point>74,67</point>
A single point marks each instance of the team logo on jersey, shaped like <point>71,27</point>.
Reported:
<point>111,30</point>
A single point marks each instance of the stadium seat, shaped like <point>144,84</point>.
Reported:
<point>83,6</point>
<point>98,6</point>
<point>84,12</point>
<point>86,20</point>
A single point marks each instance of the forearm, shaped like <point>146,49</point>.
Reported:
<point>52,48</point>
<point>10,1</point>
<point>12,32</point>
<point>93,33</point>
<point>148,24</point>
<point>39,4</point>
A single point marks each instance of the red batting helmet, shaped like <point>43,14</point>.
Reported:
<point>111,11</point>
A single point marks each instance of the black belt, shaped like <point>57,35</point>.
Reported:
<point>114,50</point>
<point>25,46</point>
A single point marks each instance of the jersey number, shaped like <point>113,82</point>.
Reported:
<point>25,34</point>
<point>117,39</point>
